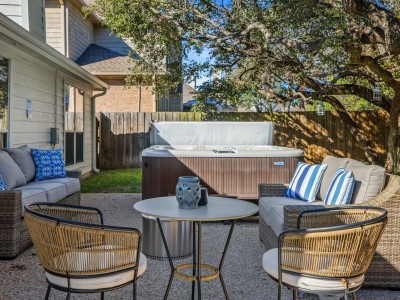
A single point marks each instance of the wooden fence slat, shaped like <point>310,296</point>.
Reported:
<point>147,122</point>
<point>105,141</point>
<point>141,134</point>
<point>121,141</point>
<point>135,142</point>
<point>128,141</point>
<point>123,136</point>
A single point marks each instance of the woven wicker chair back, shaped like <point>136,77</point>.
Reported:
<point>79,247</point>
<point>344,250</point>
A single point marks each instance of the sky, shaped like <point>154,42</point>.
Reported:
<point>193,56</point>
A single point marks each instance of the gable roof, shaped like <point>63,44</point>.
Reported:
<point>18,36</point>
<point>102,61</point>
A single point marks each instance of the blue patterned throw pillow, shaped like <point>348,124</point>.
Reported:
<point>2,186</point>
<point>341,188</point>
<point>305,182</point>
<point>49,164</point>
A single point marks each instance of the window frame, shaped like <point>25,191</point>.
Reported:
<point>70,88</point>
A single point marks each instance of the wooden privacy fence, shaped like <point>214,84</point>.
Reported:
<point>122,136</point>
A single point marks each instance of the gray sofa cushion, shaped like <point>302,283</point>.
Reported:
<point>333,163</point>
<point>11,173</point>
<point>72,185</point>
<point>31,196</point>
<point>369,180</point>
<point>271,210</point>
<point>23,158</point>
<point>54,191</point>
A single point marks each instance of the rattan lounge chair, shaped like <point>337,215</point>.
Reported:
<point>79,253</point>
<point>329,252</point>
<point>384,270</point>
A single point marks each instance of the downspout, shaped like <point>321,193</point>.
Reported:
<point>66,29</point>
<point>94,135</point>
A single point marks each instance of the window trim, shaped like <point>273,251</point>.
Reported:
<point>75,163</point>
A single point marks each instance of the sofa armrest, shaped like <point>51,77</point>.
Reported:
<point>271,189</point>
<point>11,238</point>
<point>10,204</point>
<point>74,173</point>
<point>292,212</point>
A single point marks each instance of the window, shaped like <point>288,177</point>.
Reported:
<point>3,101</point>
<point>73,106</point>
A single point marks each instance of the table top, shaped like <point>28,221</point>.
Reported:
<point>218,209</point>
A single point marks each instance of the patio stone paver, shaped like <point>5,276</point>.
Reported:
<point>245,278</point>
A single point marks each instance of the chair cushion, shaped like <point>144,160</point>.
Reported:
<point>101,282</point>
<point>11,173</point>
<point>341,188</point>
<point>305,182</point>
<point>72,185</point>
<point>271,210</point>
<point>49,164</point>
<point>54,191</point>
<point>270,265</point>
<point>23,158</point>
<point>30,196</point>
<point>369,180</point>
<point>333,163</point>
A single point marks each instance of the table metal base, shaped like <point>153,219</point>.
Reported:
<point>196,265</point>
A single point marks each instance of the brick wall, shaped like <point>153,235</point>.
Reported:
<point>125,99</point>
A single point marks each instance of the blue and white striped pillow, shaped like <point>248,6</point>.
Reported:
<point>2,185</point>
<point>341,188</point>
<point>306,181</point>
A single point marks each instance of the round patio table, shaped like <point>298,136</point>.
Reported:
<point>218,209</point>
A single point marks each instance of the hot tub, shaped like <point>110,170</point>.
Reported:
<point>225,161</point>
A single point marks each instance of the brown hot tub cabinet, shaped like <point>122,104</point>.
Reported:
<point>231,176</point>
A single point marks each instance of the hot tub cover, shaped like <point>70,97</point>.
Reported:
<point>212,133</point>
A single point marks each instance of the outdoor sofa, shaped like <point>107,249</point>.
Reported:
<point>373,188</point>
<point>19,173</point>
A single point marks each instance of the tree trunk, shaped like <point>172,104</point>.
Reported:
<point>392,160</point>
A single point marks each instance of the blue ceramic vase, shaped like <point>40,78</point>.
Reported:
<point>188,192</point>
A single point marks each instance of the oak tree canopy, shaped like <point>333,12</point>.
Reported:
<point>334,51</point>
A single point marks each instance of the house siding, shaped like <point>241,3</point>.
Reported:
<point>175,102</point>
<point>36,11</point>
<point>54,25</point>
<point>46,92</point>
<point>27,13</point>
<point>104,38</point>
<point>13,10</point>
<point>80,32</point>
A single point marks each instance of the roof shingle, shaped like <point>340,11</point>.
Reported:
<point>99,60</point>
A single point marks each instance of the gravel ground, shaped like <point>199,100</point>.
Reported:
<point>23,278</point>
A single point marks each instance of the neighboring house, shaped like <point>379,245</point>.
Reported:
<point>188,92</point>
<point>35,93</point>
<point>105,55</point>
